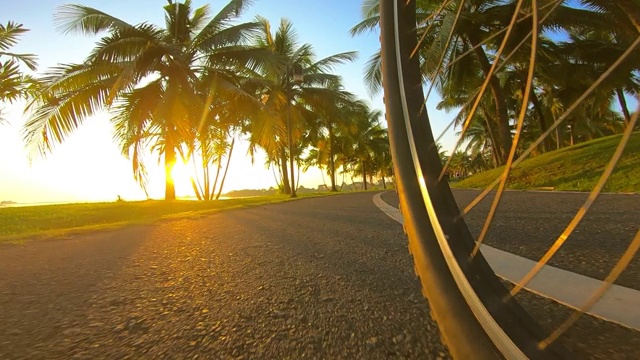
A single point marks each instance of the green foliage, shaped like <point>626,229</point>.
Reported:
<point>13,83</point>
<point>572,168</point>
<point>579,41</point>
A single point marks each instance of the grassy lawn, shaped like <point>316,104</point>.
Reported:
<point>572,168</point>
<point>19,223</point>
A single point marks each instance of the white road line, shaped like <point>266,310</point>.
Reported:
<point>620,305</point>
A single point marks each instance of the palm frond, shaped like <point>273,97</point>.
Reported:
<point>70,18</point>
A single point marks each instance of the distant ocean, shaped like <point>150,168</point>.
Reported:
<point>17,204</point>
<point>5,205</point>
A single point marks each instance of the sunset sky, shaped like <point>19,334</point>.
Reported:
<point>89,166</point>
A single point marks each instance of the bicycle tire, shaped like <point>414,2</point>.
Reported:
<point>476,316</point>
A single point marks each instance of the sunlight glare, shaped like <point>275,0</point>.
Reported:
<point>182,174</point>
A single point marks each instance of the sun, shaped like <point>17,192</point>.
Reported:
<point>182,174</point>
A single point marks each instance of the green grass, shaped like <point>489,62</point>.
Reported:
<point>576,168</point>
<point>21,223</point>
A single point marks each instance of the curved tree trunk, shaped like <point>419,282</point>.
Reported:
<point>496,153</point>
<point>212,189</point>
<point>286,185</point>
<point>623,106</point>
<point>226,168</point>
<point>504,129</point>
<point>195,181</point>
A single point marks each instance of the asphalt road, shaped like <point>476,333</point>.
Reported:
<point>323,278</point>
<point>528,223</point>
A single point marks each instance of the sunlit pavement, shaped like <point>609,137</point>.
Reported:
<point>618,305</point>
<point>316,278</point>
<point>322,278</point>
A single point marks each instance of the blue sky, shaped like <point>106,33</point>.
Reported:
<point>88,166</point>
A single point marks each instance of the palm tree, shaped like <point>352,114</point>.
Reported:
<point>477,36</point>
<point>335,109</point>
<point>150,74</point>
<point>13,83</point>
<point>294,79</point>
<point>469,32</point>
<point>369,139</point>
<point>381,163</point>
<point>210,143</point>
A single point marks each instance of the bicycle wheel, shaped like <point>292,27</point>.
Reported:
<point>478,317</point>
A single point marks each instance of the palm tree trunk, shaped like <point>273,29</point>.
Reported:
<point>504,129</point>
<point>212,189</point>
<point>630,8</point>
<point>226,168</point>
<point>623,106</point>
<point>285,174</point>
<point>541,118</point>
<point>290,143</point>
<point>196,190</point>
<point>364,174</point>
<point>195,181</point>
<point>571,134</point>
<point>332,165</point>
<point>169,162</point>
<point>293,178</point>
<point>488,119</point>
<point>205,169</point>
<point>344,173</point>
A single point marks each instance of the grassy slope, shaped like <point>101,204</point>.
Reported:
<point>18,223</point>
<point>572,168</point>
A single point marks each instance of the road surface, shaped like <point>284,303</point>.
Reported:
<point>319,278</point>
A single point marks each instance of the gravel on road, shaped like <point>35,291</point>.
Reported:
<point>528,223</point>
<point>324,278</point>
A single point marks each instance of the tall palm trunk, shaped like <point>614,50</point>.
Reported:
<point>226,168</point>
<point>291,157</point>
<point>286,186</point>
<point>215,181</point>
<point>169,162</point>
<point>537,105</point>
<point>205,171</point>
<point>623,106</point>
<point>504,129</point>
<point>364,174</point>
<point>332,165</point>
<point>496,153</point>
<point>571,134</point>
<point>195,181</point>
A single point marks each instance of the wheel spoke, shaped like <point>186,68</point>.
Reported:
<point>583,209</point>
<point>556,123</point>
<point>516,137</point>
<point>598,294</point>
<point>485,84</point>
